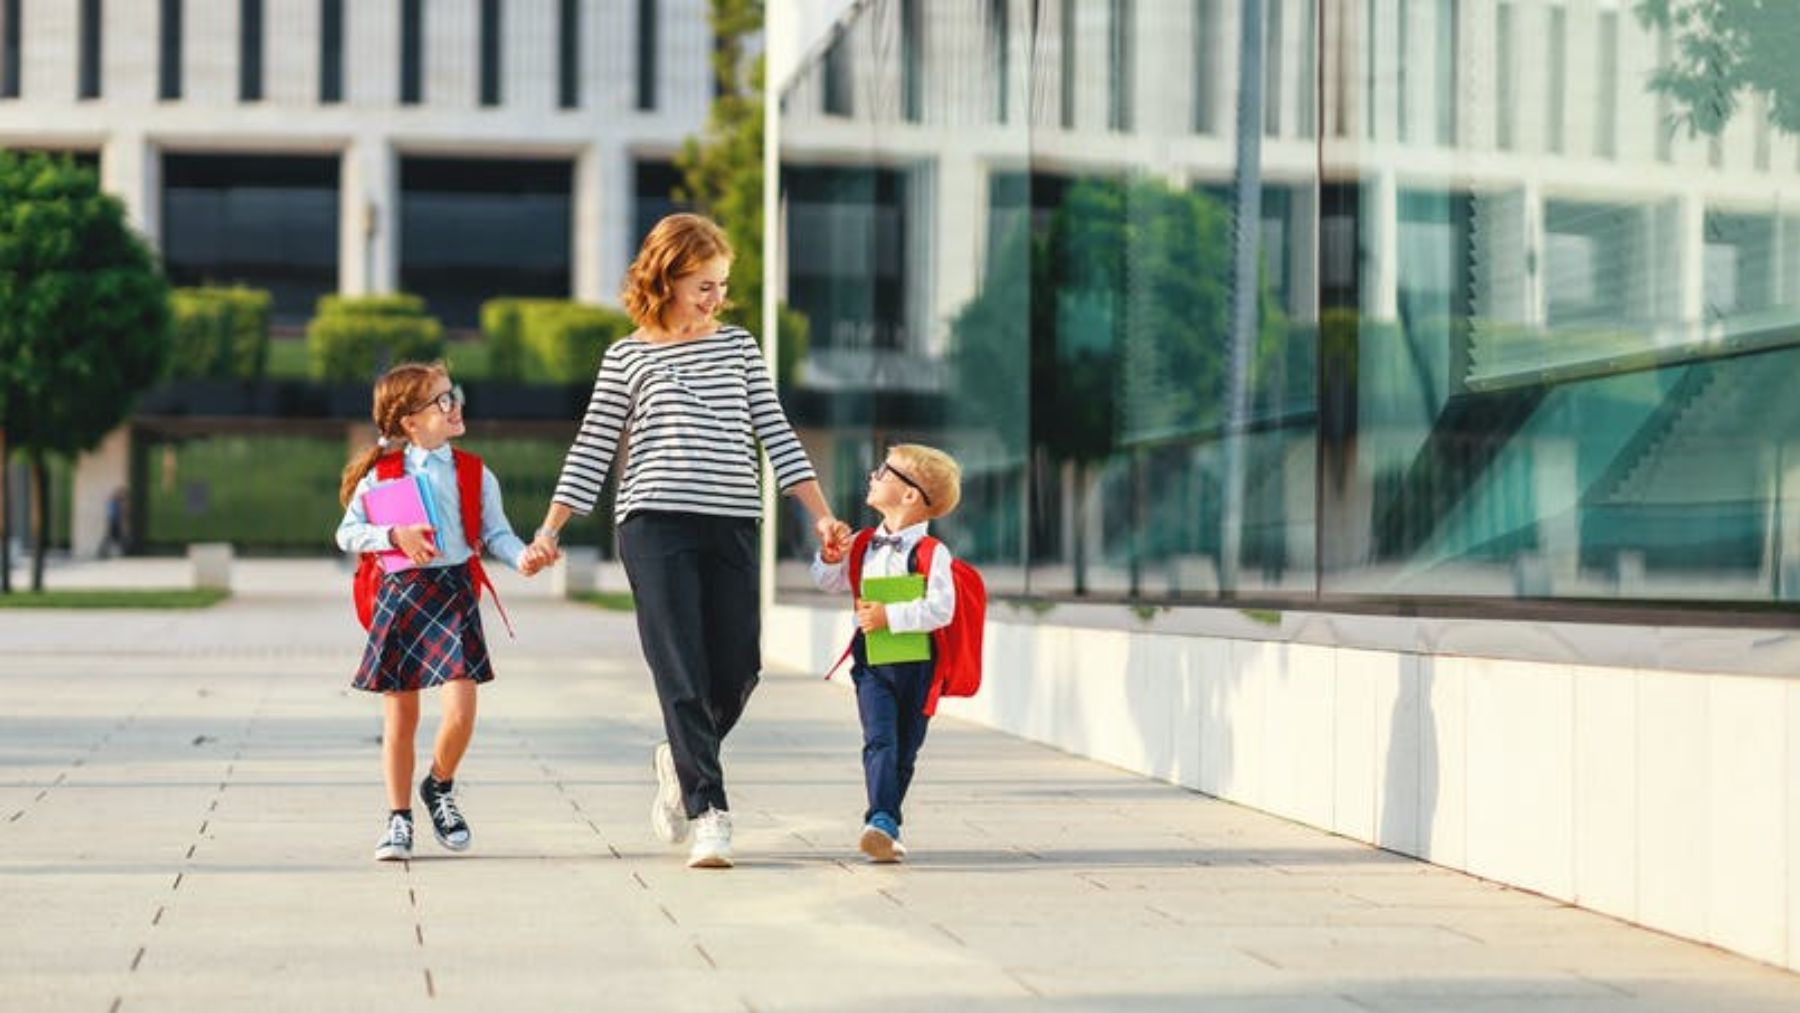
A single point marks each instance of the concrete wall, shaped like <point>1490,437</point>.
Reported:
<point>1669,798</point>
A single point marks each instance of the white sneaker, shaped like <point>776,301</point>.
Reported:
<point>712,841</point>
<point>668,816</point>
<point>396,844</point>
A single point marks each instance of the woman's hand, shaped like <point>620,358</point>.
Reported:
<point>834,538</point>
<point>542,552</point>
<point>416,541</point>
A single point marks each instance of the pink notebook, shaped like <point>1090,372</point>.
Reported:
<point>395,502</point>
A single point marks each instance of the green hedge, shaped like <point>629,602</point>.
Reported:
<point>355,338</point>
<point>219,333</point>
<point>548,340</point>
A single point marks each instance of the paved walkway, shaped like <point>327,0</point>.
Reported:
<point>188,802</point>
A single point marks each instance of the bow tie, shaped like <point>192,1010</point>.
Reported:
<point>894,542</point>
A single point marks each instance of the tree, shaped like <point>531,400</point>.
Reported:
<point>84,317</point>
<point>722,172</point>
<point>1722,49</point>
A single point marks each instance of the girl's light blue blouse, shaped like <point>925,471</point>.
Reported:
<point>356,534</point>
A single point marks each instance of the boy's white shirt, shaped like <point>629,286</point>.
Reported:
<point>931,612</point>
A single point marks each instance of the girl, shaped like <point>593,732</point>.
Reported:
<point>427,628</point>
<point>692,397</point>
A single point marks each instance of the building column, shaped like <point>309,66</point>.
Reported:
<point>1381,288</point>
<point>100,475</point>
<point>369,218</point>
<point>602,208</point>
<point>1691,242</point>
<point>956,261</point>
<point>131,170</point>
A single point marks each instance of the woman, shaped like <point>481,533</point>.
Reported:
<point>692,398</point>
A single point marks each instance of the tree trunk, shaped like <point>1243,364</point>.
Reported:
<point>5,528</point>
<point>40,483</point>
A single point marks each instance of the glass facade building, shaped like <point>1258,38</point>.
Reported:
<point>1371,303</point>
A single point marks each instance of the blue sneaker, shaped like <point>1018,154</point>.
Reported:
<point>881,839</point>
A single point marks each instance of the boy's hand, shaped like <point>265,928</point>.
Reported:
<point>831,553</point>
<point>834,536</point>
<point>416,541</point>
<point>871,616</point>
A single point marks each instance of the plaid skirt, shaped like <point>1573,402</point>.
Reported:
<point>426,632</point>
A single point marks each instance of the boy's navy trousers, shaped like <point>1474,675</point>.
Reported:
<point>890,699</point>
<point>694,579</point>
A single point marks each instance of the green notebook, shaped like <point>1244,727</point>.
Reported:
<point>885,647</point>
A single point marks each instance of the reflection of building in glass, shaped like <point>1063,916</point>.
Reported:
<point>1478,432</point>
<point>460,150</point>
<point>1494,276</point>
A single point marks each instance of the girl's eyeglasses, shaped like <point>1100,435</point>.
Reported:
<point>884,469</point>
<point>446,402</point>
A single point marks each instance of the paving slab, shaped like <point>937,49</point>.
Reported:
<point>188,802</point>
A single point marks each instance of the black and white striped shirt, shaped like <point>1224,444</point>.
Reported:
<point>694,412</point>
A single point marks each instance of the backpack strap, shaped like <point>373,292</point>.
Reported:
<point>468,497</point>
<point>859,546</point>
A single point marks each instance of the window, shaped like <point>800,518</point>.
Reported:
<point>471,229</point>
<point>491,42</point>
<point>412,52</point>
<point>646,54</point>
<point>250,50</point>
<point>267,221</point>
<point>568,54</point>
<point>1558,56</point>
<point>168,78</point>
<point>1272,49</point>
<point>87,83</point>
<point>1206,66</point>
<point>1119,65</point>
<point>1308,86</point>
<point>1067,39</point>
<point>331,51</point>
<point>912,61</point>
<point>1505,77</point>
<point>1371,52</point>
<point>836,97</point>
<point>1445,94</point>
<point>1403,38</point>
<point>1606,88</point>
<point>9,48</point>
<point>1000,39</point>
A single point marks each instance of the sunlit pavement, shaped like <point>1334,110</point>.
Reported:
<point>189,800</point>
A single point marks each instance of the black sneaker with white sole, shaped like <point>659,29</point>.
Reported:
<point>446,818</point>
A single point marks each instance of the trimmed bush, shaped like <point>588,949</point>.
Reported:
<point>549,340</point>
<point>219,333</point>
<point>795,330</point>
<point>356,338</point>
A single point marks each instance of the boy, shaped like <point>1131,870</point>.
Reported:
<point>912,486</point>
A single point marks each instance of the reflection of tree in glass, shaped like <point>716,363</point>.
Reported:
<point>1115,316</point>
<point>1722,48</point>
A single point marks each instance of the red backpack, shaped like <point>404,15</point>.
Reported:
<point>468,496</point>
<point>956,648</point>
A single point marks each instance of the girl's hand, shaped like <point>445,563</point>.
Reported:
<point>871,616</point>
<point>542,552</point>
<point>416,541</point>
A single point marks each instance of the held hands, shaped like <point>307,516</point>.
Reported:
<point>416,541</point>
<point>541,553</point>
<point>834,539</point>
<point>871,616</point>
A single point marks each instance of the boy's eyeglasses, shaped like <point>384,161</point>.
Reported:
<point>884,469</point>
<point>446,402</point>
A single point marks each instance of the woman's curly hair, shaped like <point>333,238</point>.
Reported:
<point>676,247</point>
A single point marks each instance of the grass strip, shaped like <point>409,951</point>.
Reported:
<point>613,601</point>
<point>114,599</point>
